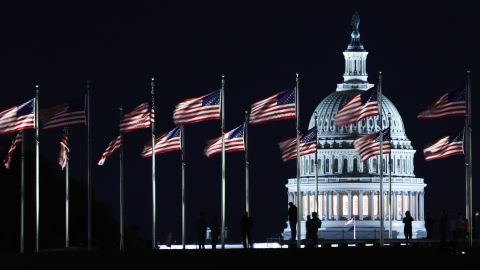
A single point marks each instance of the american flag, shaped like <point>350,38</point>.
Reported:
<point>369,146</point>
<point>164,143</point>
<point>112,147</point>
<point>18,139</point>
<point>449,104</point>
<point>277,107</point>
<point>137,119</point>
<point>18,118</point>
<point>359,107</point>
<point>234,142</point>
<point>308,145</point>
<point>64,150</point>
<point>197,109</point>
<point>67,114</point>
<point>444,148</point>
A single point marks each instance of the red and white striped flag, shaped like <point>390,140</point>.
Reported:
<point>139,118</point>
<point>361,106</point>
<point>234,142</point>
<point>164,143</point>
<point>197,109</point>
<point>277,107</point>
<point>64,150</point>
<point>18,118</point>
<point>112,147</point>
<point>308,145</point>
<point>67,114</point>
<point>369,146</point>
<point>449,104</point>
<point>18,140</point>
<point>444,148</point>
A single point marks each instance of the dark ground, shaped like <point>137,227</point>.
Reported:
<point>405,257</point>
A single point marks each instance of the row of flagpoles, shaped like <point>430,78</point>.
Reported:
<point>283,105</point>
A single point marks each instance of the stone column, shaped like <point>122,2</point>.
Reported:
<point>360,205</point>
<point>412,205</point>
<point>320,205</point>
<point>329,206</point>
<point>308,202</point>
<point>370,204</point>
<point>350,205</point>
<point>404,203</point>
<point>395,206</point>
<point>337,217</point>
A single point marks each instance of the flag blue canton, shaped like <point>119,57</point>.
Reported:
<point>286,97</point>
<point>457,95</point>
<point>26,108</point>
<point>369,96</point>
<point>236,133</point>
<point>310,136</point>
<point>173,133</point>
<point>211,99</point>
<point>386,135</point>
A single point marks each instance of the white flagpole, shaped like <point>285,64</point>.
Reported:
<point>390,206</point>
<point>67,195</point>
<point>154,200</point>
<point>247,174</point>
<point>122,247</point>
<point>89,173</point>
<point>299,206</point>
<point>380,195</point>
<point>354,229</point>
<point>22,195</point>
<point>468,155</point>
<point>316,168</point>
<point>37,171</point>
<point>182,130</point>
<point>222,112</point>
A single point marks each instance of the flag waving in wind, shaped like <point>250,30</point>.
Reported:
<point>18,140</point>
<point>18,118</point>
<point>449,104</point>
<point>277,107</point>
<point>234,142</point>
<point>444,148</point>
<point>308,145</point>
<point>64,150</point>
<point>369,146</point>
<point>359,107</point>
<point>198,109</point>
<point>137,119</point>
<point>112,147</point>
<point>67,114</point>
<point>164,143</point>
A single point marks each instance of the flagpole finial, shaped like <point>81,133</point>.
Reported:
<point>223,76</point>
<point>153,79</point>
<point>297,74</point>
<point>379,72</point>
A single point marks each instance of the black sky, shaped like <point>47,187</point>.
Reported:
<point>423,50</point>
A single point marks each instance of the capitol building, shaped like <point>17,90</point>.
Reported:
<point>348,187</point>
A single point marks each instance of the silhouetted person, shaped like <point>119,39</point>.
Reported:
<point>202,230</point>
<point>215,231</point>
<point>407,229</point>
<point>314,226</point>
<point>429,225</point>
<point>246,227</point>
<point>308,225</point>
<point>443,226</point>
<point>292,220</point>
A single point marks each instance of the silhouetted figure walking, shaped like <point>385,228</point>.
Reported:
<point>314,226</point>
<point>214,231</point>
<point>292,220</point>
<point>443,226</point>
<point>407,229</point>
<point>246,227</point>
<point>429,225</point>
<point>202,230</point>
<point>308,225</point>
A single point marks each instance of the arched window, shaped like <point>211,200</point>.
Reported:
<point>365,205</point>
<point>365,166</point>
<point>398,168</point>
<point>327,165</point>
<point>385,165</point>
<point>404,166</point>
<point>375,167</point>
<point>312,165</point>
<point>345,203</point>
<point>345,165</point>
<point>335,165</point>
<point>319,166</point>
<point>355,165</point>
<point>305,164</point>
<point>355,205</point>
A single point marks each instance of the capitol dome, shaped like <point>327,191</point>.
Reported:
<point>338,185</point>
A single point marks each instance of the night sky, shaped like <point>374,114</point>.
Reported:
<point>423,50</point>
